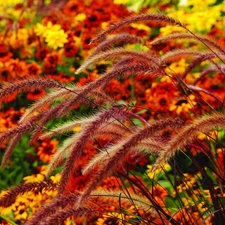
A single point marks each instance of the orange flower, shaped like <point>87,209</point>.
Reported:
<point>4,74</point>
<point>12,117</point>
<point>9,98</point>
<point>187,216</point>
<point>35,94</point>
<point>46,149</point>
<point>76,183</point>
<point>41,54</point>
<point>85,80</point>
<point>61,77</point>
<point>73,7</point>
<point>184,105</point>
<point>159,194</point>
<point>213,85</point>
<point>34,69</point>
<point>4,54</point>
<point>17,68</point>
<point>220,161</point>
<point>51,61</point>
<point>159,97</point>
<point>111,183</point>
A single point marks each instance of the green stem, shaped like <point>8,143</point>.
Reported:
<point>8,220</point>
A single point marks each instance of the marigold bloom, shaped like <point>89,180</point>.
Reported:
<point>73,8</point>
<point>42,30</point>
<point>17,68</point>
<point>56,39</point>
<point>34,69</point>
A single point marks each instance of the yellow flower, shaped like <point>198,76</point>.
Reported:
<point>121,1</point>
<point>165,167</point>
<point>141,27</point>
<point>199,17</point>
<point>12,2</point>
<point>199,3</point>
<point>21,213</point>
<point>77,129</point>
<point>104,25</point>
<point>80,17</point>
<point>69,221</point>
<point>77,41</point>
<point>56,178</point>
<point>210,135</point>
<point>116,218</point>
<point>56,39</point>
<point>6,211</point>
<point>34,178</point>
<point>18,39</point>
<point>171,29</point>
<point>183,105</point>
<point>41,30</point>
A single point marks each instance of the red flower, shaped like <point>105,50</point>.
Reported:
<point>12,117</point>
<point>73,7</point>
<point>41,54</point>
<point>4,54</point>
<point>61,77</point>
<point>70,50</point>
<point>51,61</point>
<point>85,80</point>
<point>9,98</point>
<point>4,74</point>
